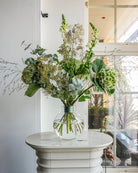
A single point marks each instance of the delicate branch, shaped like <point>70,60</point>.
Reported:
<point>10,76</point>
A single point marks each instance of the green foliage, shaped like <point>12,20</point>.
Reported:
<point>64,26</point>
<point>71,66</point>
<point>94,34</point>
<point>83,98</point>
<point>96,84</point>
<point>64,76</point>
<point>38,50</point>
<point>107,79</point>
<point>93,27</point>
<point>27,74</point>
<point>110,92</point>
<point>30,61</point>
<point>31,90</point>
<point>87,92</point>
<point>97,65</point>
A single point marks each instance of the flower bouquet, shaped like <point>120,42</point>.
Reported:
<point>65,75</point>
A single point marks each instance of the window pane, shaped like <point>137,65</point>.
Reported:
<point>101,111</point>
<point>127,2</point>
<point>127,24</point>
<point>127,67</point>
<point>127,148</point>
<point>101,2</point>
<point>101,106</point>
<point>127,111</point>
<point>103,19</point>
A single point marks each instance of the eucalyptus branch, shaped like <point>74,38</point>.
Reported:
<point>82,93</point>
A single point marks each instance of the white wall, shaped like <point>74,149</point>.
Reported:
<point>75,12</point>
<point>19,115</point>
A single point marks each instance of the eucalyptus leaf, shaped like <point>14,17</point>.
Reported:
<point>29,61</point>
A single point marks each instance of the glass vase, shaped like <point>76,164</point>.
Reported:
<point>68,125</point>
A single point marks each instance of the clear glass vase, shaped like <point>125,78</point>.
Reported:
<point>68,126</point>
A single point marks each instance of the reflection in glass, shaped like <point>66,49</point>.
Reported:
<point>127,24</point>
<point>127,111</point>
<point>108,156</point>
<point>127,67</point>
<point>118,115</point>
<point>100,111</point>
<point>103,19</point>
<point>127,147</point>
<point>101,105</point>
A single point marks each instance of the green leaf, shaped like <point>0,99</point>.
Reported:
<point>87,92</point>
<point>93,27</point>
<point>110,92</point>
<point>82,99</point>
<point>97,65</point>
<point>63,19</point>
<point>87,97</point>
<point>38,47</point>
<point>31,90</point>
<point>77,64</point>
<point>28,46</point>
<point>80,92</point>
<point>95,82</point>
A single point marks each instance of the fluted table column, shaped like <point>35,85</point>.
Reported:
<point>69,156</point>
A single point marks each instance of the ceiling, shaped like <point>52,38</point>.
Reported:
<point>111,2</point>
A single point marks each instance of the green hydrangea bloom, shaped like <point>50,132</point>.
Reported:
<point>107,78</point>
<point>28,73</point>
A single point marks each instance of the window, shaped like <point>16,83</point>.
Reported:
<point>117,21</point>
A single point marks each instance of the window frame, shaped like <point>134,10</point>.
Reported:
<point>116,49</point>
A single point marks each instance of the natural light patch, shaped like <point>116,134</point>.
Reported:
<point>132,29</point>
<point>129,68</point>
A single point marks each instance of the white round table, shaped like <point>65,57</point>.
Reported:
<point>56,155</point>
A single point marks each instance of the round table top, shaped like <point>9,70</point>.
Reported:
<point>49,140</point>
